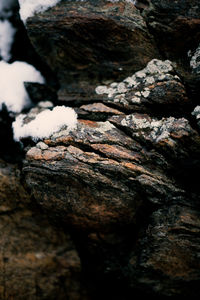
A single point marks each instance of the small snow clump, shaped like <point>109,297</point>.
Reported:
<point>29,7</point>
<point>45,124</point>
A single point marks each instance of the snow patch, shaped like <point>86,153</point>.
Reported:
<point>45,124</point>
<point>30,7</point>
<point>12,91</point>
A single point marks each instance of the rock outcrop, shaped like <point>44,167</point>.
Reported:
<point>175,26</point>
<point>37,260</point>
<point>153,89</point>
<point>84,42</point>
<point>122,186</point>
<point>127,185</point>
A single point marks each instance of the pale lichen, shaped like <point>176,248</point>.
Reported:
<point>196,113</point>
<point>152,128</point>
<point>138,84</point>
<point>195,61</point>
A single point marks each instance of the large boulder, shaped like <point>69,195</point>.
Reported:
<point>91,41</point>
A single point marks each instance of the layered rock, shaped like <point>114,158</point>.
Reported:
<point>122,181</point>
<point>150,90</point>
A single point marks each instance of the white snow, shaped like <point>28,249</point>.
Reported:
<point>45,124</point>
<point>12,91</point>
<point>12,77</point>
<point>7,32</point>
<point>29,7</point>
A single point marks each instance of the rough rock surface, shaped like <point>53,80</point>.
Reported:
<point>124,182</point>
<point>175,25</point>
<point>151,90</point>
<point>37,260</point>
<point>84,42</point>
<point>131,172</point>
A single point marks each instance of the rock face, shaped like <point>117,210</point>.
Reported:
<point>152,89</point>
<point>175,25</point>
<point>124,182</point>
<point>127,185</point>
<point>36,260</point>
<point>84,42</point>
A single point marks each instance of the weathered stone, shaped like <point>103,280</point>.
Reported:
<point>111,177</point>
<point>151,90</point>
<point>91,41</point>
<point>97,111</point>
<point>166,254</point>
<point>40,92</point>
<point>95,152</point>
<point>36,259</point>
<point>125,180</point>
<point>196,113</point>
<point>175,25</point>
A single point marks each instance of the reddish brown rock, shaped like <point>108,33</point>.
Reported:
<point>97,111</point>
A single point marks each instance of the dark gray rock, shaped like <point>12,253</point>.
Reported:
<point>87,41</point>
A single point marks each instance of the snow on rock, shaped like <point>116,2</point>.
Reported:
<point>29,7</point>
<point>45,123</point>
<point>12,91</point>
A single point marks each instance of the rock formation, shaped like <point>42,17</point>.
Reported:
<point>123,185</point>
<point>84,43</point>
<point>37,260</point>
